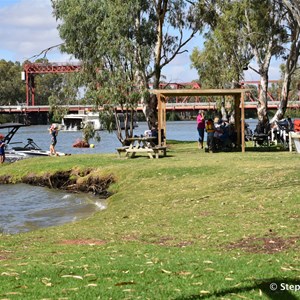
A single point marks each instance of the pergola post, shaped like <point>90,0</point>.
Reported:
<point>237,117</point>
<point>161,114</point>
<point>243,121</point>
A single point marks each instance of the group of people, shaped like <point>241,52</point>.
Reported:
<point>220,134</point>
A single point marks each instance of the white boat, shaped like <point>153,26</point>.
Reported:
<point>18,150</point>
<point>74,122</point>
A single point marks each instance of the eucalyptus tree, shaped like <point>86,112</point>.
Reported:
<point>12,89</point>
<point>294,8</point>
<point>290,57</point>
<point>172,19</point>
<point>266,36</point>
<point>132,40</point>
<point>220,64</point>
<point>245,30</point>
<point>104,39</point>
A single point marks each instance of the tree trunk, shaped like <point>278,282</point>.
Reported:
<point>283,99</point>
<point>290,67</point>
<point>262,103</point>
<point>151,104</point>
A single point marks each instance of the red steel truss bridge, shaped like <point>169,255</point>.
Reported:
<point>180,104</point>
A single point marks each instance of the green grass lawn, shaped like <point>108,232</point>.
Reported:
<point>192,225</point>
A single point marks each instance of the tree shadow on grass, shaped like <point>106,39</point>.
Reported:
<point>265,149</point>
<point>273,288</point>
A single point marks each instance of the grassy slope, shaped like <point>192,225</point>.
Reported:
<point>169,232</point>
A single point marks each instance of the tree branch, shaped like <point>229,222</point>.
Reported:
<point>45,51</point>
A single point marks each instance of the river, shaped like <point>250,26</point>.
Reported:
<point>177,130</point>
<point>22,207</point>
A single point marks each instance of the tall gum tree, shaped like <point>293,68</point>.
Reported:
<point>220,64</point>
<point>255,28</point>
<point>157,31</point>
<point>294,8</point>
<point>228,71</point>
<point>291,57</point>
<point>12,89</point>
<point>266,36</point>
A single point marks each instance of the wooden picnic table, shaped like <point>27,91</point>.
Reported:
<point>142,144</point>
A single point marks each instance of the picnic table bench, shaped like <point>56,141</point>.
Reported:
<point>121,150</point>
<point>140,144</point>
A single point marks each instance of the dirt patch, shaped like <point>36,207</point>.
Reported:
<point>83,242</point>
<point>4,255</point>
<point>165,241</point>
<point>266,244</point>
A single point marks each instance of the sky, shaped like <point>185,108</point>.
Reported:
<point>27,27</point>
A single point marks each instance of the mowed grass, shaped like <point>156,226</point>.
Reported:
<point>192,225</point>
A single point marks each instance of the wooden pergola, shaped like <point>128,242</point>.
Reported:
<point>236,94</point>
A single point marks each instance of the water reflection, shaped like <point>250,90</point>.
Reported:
<point>25,208</point>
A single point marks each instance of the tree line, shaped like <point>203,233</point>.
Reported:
<point>125,45</point>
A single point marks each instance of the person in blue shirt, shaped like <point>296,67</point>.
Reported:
<point>2,151</point>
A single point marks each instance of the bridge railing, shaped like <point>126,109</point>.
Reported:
<point>169,106</point>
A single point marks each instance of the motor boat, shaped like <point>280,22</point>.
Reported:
<point>18,150</point>
<point>74,122</point>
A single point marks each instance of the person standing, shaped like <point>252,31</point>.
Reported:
<point>210,129</point>
<point>2,151</point>
<point>53,130</point>
<point>201,128</point>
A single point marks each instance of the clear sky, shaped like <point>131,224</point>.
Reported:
<point>27,27</point>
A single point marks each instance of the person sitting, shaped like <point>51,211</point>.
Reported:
<point>224,135</point>
<point>154,133</point>
<point>290,126</point>
<point>147,133</point>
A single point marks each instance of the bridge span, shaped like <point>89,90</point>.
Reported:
<point>186,106</point>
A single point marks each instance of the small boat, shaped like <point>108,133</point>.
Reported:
<point>21,151</point>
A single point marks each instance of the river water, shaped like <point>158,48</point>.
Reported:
<point>183,130</point>
<point>22,207</point>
